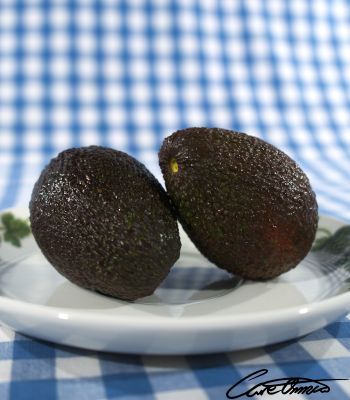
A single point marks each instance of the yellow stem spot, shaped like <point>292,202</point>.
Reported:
<point>174,166</point>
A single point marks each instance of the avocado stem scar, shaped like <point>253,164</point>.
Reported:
<point>174,166</point>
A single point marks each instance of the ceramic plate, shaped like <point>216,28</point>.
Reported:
<point>198,308</point>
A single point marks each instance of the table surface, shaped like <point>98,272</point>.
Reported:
<point>127,73</point>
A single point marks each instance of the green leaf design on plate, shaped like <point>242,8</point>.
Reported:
<point>13,229</point>
<point>336,244</point>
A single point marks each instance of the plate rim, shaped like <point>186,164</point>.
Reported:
<point>166,323</point>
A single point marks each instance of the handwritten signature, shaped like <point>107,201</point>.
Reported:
<point>288,386</point>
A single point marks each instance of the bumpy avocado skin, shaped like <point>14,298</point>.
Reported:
<point>246,205</point>
<point>104,222</point>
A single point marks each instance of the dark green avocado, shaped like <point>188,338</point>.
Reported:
<point>104,222</point>
<point>246,205</point>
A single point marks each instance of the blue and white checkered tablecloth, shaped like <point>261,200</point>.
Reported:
<point>125,74</point>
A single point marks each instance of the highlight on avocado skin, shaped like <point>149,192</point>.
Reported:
<point>174,166</point>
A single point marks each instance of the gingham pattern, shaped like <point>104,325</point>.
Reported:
<point>127,73</point>
<point>31,369</point>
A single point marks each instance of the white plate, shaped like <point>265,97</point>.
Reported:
<point>198,309</point>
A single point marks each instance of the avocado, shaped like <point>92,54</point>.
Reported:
<point>104,222</point>
<point>246,205</point>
